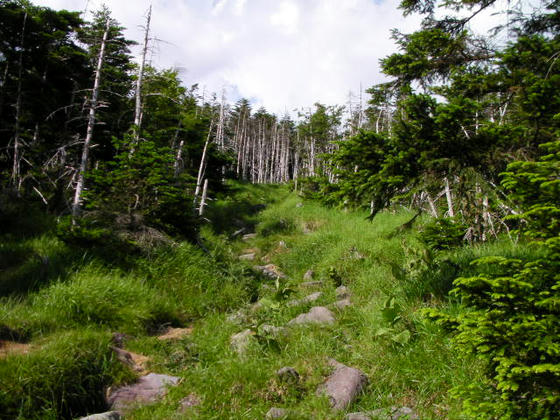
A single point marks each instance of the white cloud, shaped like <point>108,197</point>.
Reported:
<point>286,17</point>
<point>281,54</point>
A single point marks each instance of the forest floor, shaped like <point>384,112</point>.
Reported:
<point>268,254</point>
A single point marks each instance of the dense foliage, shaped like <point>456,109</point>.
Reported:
<point>466,129</point>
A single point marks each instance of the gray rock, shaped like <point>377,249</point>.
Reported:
<point>342,292</point>
<point>310,284</point>
<point>343,386</point>
<point>282,244</point>
<point>109,415</point>
<point>249,236</point>
<point>240,342</point>
<point>247,257</point>
<point>299,205</point>
<point>277,413</point>
<point>358,416</point>
<point>308,299</point>
<point>343,303</point>
<point>393,413</point>
<point>238,317</point>
<point>149,389</point>
<point>316,315</point>
<point>191,400</point>
<point>270,270</point>
<point>271,330</point>
<point>288,374</point>
<point>309,274</point>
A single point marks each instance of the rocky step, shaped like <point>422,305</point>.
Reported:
<point>147,390</point>
<point>343,386</point>
<point>316,315</point>
<point>307,299</point>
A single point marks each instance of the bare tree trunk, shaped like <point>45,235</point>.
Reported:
<point>76,205</point>
<point>16,169</point>
<point>178,159</point>
<point>433,208</point>
<point>449,198</point>
<point>139,80</point>
<point>202,166</point>
<point>203,199</point>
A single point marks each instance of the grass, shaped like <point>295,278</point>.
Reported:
<point>68,315</point>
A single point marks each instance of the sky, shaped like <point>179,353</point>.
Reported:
<point>280,54</point>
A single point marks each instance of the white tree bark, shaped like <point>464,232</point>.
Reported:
<point>449,198</point>
<point>202,166</point>
<point>76,204</point>
<point>203,199</point>
<point>139,80</point>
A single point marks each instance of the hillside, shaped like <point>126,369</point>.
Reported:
<point>76,301</point>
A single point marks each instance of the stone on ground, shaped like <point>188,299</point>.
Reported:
<point>191,400</point>
<point>343,386</point>
<point>238,317</point>
<point>309,274</point>
<point>288,374</point>
<point>240,342</point>
<point>342,292</point>
<point>343,303</point>
<point>358,416</point>
<point>148,389</point>
<point>316,315</point>
<point>393,413</point>
<point>271,330</point>
<point>270,270</point>
<point>277,413</point>
<point>308,299</point>
<point>109,415</point>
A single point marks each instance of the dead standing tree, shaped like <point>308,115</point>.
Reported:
<point>77,202</point>
<point>138,92</point>
<point>16,169</point>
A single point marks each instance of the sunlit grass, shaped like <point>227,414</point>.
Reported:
<point>68,316</point>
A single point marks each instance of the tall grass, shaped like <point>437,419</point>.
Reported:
<point>65,377</point>
<point>70,314</point>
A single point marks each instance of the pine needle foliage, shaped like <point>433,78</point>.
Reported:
<point>513,322</point>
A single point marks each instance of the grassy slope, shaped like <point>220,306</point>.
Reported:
<point>70,311</point>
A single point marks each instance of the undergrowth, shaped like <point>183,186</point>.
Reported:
<point>69,313</point>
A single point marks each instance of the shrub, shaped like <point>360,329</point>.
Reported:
<point>513,321</point>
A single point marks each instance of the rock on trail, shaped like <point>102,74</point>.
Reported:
<point>316,315</point>
<point>393,413</point>
<point>240,342</point>
<point>149,389</point>
<point>308,299</point>
<point>343,386</point>
<point>270,270</point>
<point>277,413</point>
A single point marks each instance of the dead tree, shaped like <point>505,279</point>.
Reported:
<point>76,204</point>
<point>138,93</point>
<point>16,169</point>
